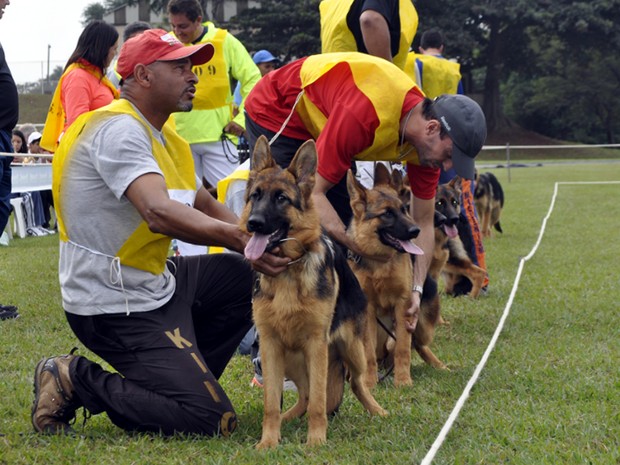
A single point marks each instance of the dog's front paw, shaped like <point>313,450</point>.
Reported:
<point>403,381</point>
<point>316,439</point>
<point>380,412</point>
<point>267,444</point>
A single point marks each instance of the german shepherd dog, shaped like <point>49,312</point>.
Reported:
<point>310,318</point>
<point>382,228</point>
<point>449,256</point>
<point>489,201</point>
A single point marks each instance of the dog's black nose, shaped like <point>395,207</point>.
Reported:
<point>256,224</point>
<point>413,231</point>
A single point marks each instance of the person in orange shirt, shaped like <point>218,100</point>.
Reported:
<point>83,86</point>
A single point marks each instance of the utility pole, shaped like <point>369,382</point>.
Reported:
<point>48,65</point>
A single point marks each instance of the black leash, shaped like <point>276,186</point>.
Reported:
<point>390,368</point>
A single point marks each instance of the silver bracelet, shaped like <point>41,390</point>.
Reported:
<point>417,289</point>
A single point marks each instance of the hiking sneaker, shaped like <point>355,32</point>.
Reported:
<point>257,381</point>
<point>55,401</point>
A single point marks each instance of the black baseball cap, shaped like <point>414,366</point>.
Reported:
<point>464,121</point>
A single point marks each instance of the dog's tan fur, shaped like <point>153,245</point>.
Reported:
<point>449,256</point>
<point>489,201</point>
<point>386,283</point>
<point>295,310</point>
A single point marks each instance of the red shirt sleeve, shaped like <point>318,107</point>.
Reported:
<point>423,180</point>
<point>270,101</point>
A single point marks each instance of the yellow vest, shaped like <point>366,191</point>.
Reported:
<point>337,37</point>
<point>56,116</point>
<point>213,88</point>
<point>222,192</point>
<point>440,76</point>
<point>144,249</point>
<point>372,75</point>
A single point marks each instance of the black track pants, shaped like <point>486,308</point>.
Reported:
<point>170,359</point>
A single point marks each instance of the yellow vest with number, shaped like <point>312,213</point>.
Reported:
<point>439,76</point>
<point>337,37</point>
<point>372,75</point>
<point>213,88</point>
<point>143,249</point>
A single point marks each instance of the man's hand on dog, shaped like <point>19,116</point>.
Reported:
<point>270,263</point>
<point>413,312</point>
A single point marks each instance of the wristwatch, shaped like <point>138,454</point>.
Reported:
<point>418,289</point>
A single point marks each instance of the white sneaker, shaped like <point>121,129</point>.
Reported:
<point>4,239</point>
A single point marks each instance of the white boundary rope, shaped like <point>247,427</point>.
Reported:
<point>459,404</point>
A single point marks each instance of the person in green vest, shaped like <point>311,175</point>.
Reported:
<point>212,128</point>
<point>124,184</point>
<point>210,124</point>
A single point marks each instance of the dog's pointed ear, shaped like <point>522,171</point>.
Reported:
<point>455,183</point>
<point>397,180</point>
<point>382,174</point>
<point>357,195</point>
<point>261,156</point>
<point>303,166</point>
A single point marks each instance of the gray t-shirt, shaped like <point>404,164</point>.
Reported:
<point>99,218</point>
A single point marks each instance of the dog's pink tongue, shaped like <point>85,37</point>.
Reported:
<point>451,231</point>
<point>411,248</point>
<point>256,246</point>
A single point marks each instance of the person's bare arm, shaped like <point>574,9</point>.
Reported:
<point>206,203</point>
<point>376,34</point>
<point>148,193</point>
<point>329,218</point>
<point>423,213</point>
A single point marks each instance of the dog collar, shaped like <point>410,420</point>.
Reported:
<point>355,258</point>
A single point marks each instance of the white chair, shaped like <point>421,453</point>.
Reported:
<point>18,217</point>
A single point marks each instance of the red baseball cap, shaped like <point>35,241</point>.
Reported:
<point>158,45</point>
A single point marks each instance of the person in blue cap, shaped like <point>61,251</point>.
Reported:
<point>266,63</point>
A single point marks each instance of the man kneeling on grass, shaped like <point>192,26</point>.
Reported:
<point>124,184</point>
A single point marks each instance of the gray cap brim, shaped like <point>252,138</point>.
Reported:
<point>463,164</point>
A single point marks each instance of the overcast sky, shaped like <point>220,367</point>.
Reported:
<point>29,26</point>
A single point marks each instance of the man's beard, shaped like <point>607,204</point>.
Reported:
<point>185,106</point>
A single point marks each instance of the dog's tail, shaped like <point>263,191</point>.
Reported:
<point>498,192</point>
<point>498,227</point>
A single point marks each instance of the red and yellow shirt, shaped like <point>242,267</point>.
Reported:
<point>352,104</point>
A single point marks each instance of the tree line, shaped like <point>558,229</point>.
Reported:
<point>550,66</point>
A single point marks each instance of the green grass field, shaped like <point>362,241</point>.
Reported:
<point>549,394</point>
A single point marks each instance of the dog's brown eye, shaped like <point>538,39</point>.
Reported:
<point>281,198</point>
<point>255,194</point>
